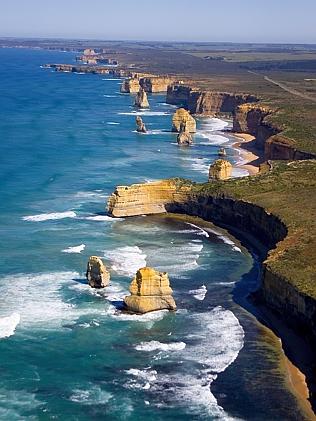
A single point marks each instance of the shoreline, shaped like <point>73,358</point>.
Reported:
<point>249,156</point>
<point>284,338</point>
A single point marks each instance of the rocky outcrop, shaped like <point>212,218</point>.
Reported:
<point>183,117</point>
<point>211,202</point>
<point>155,84</point>
<point>140,125</point>
<point>205,102</point>
<point>150,291</point>
<point>130,86</point>
<point>254,119</point>
<point>97,274</point>
<point>220,170</point>
<point>184,137</point>
<point>141,100</point>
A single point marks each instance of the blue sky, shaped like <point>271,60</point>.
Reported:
<point>180,20</point>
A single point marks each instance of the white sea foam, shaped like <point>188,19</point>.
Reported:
<point>39,299</point>
<point>145,113</point>
<point>214,124</point>
<point>159,346</point>
<point>239,172</point>
<point>141,378</point>
<point>148,318</point>
<point>49,216</point>
<point>113,123</point>
<point>14,404</point>
<point>93,395</point>
<point>74,249</point>
<point>91,195</point>
<point>126,260</point>
<point>214,346</point>
<point>213,139</point>
<point>112,78</point>
<point>103,218</point>
<point>8,325</point>
<point>201,230</point>
<point>200,293</point>
<point>199,164</point>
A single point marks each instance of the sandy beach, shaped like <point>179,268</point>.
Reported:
<point>252,156</point>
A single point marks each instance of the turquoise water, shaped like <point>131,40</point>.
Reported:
<point>67,351</point>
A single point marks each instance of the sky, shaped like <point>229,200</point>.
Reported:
<point>279,21</point>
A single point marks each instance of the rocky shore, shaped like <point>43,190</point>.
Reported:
<point>250,206</point>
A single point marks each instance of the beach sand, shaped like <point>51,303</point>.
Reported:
<point>251,155</point>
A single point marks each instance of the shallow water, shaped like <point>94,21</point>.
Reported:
<point>67,351</point>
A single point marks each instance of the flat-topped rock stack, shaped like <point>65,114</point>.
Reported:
<point>183,117</point>
<point>97,274</point>
<point>141,100</point>
<point>150,291</point>
<point>130,86</point>
<point>220,170</point>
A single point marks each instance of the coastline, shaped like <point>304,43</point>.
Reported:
<point>252,157</point>
<point>285,341</point>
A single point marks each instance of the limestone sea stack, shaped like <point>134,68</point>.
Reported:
<point>140,125</point>
<point>220,170</point>
<point>130,86</point>
<point>150,290</point>
<point>182,116</point>
<point>141,100</point>
<point>97,274</point>
<point>184,138</point>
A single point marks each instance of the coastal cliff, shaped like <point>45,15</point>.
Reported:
<point>205,102</point>
<point>253,206</point>
<point>255,119</point>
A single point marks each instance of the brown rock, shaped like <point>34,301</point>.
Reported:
<point>182,116</point>
<point>140,125</point>
<point>130,86</point>
<point>141,100</point>
<point>150,290</point>
<point>220,170</point>
<point>184,138</point>
<point>97,274</point>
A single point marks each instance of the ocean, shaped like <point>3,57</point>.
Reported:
<point>66,351</point>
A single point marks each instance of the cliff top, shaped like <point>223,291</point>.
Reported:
<point>289,192</point>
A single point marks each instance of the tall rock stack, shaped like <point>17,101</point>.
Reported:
<point>97,274</point>
<point>150,290</point>
<point>183,117</point>
<point>220,170</point>
<point>140,125</point>
<point>141,100</point>
<point>184,138</point>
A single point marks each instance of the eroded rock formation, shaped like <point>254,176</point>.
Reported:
<point>184,137</point>
<point>205,102</point>
<point>130,86</point>
<point>220,170</point>
<point>141,100</point>
<point>183,117</point>
<point>97,274</point>
<point>150,290</point>
<point>140,125</point>
<point>155,84</point>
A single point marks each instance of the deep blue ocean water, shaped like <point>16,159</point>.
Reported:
<point>66,352</point>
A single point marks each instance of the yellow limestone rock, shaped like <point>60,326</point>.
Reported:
<point>183,117</point>
<point>220,170</point>
<point>184,138</point>
<point>150,290</point>
<point>130,86</point>
<point>141,100</point>
<point>97,274</point>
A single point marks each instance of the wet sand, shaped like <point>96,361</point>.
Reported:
<point>252,156</point>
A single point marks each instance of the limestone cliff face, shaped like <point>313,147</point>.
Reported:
<point>155,84</point>
<point>253,119</point>
<point>150,291</point>
<point>183,118</point>
<point>150,83</point>
<point>130,86</point>
<point>205,102</point>
<point>180,197</point>
<point>220,170</point>
<point>97,274</point>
